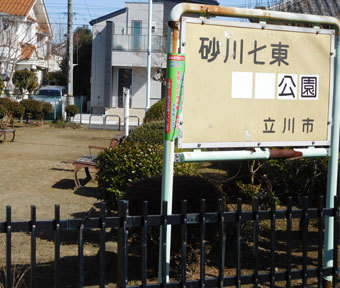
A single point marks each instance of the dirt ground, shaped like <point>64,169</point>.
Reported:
<point>36,169</point>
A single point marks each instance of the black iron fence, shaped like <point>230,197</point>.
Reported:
<point>225,222</point>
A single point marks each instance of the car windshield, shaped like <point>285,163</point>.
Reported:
<point>49,92</point>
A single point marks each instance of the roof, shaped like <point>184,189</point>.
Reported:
<point>27,51</point>
<point>108,16</point>
<point>317,7</point>
<point>16,7</point>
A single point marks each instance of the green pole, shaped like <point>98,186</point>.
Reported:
<point>333,165</point>
<point>175,77</point>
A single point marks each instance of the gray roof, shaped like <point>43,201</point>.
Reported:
<point>317,7</point>
<point>107,16</point>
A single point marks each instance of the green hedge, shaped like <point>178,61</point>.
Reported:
<point>71,110</point>
<point>16,108</point>
<point>152,133</point>
<point>3,111</point>
<point>33,109</point>
<point>190,188</point>
<point>47,108</point>
<point>129,163</point>
<point>156,112</point>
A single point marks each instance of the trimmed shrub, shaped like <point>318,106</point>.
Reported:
<point>71,110</point>
<point>129,163</point>
<point>156,112</point>
<point>17,109</point>
<point>47,108</point>
<point>25,80</point>
<point>3,111</point>
<point>149,133</point>
<point>190,188</point>
<point>6,102</point>
<point>33,109</point>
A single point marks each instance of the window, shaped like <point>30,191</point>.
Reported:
<point>136,35</point>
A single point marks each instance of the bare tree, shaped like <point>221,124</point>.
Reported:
<point>17,38</point>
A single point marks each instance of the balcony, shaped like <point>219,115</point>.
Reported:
<point>138,43</point>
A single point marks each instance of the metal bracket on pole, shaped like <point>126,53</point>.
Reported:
<point>257,154</point>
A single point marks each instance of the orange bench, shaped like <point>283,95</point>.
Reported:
<point>90,160</point>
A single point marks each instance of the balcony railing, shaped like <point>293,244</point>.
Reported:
<point>137,43</point>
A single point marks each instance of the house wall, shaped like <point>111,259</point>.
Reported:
<point>139,12</point>
<point>124,59</point>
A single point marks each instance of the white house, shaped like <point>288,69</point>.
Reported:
<point>119,56</point>
<point>25,37</point>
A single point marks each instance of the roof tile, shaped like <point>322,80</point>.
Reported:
<point>16,7</point>
<point>27,51</point>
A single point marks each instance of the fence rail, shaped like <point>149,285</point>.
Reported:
<point>123,222</point>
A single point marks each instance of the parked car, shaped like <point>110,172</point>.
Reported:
<point>56,95</point>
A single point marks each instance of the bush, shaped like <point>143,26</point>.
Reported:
<point>13,107</point>
<point>17,109</point>
<point>3,111</point>
<point>33,109</point>
<point>298,178</point>
<point>156,112</point>
<point>6,102</point>
<point>71,110</point>
<point>47,108</point>
<point>25,80</point>
<point>278,179</point>
<point>149,133</point>
<point>129,163</point>
<point>189,188</point>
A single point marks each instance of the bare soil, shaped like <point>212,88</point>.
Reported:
<point>36,169</point>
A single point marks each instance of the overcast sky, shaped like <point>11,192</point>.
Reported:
<point>86,10</point>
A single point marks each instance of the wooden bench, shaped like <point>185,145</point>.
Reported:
<point>90,160</point>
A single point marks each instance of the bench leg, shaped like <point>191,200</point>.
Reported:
<point>13,136</point>
<point>88,175</point>
<point>76,180</point>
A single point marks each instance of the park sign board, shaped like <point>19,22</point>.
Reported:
<point>255,85</point>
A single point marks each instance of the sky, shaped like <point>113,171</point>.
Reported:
<point>86,10</point>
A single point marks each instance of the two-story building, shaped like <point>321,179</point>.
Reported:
<point>25,37</point>
<point>119,56</point>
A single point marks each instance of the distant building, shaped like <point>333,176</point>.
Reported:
<point>25,38</point>
<point>119,55</point>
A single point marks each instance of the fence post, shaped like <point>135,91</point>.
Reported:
<point>126,93</point>
<point>122,265</point>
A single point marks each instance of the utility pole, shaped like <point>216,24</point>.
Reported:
<point>70,99</point>
<point>148,83</point>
